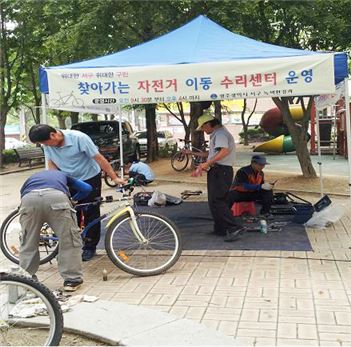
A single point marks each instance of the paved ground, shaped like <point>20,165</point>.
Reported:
<point>255,297</point>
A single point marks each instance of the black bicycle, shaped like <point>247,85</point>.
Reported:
<point>189,154</point>
<point>30,315</point>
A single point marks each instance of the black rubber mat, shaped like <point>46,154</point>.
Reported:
<point>195,223</point>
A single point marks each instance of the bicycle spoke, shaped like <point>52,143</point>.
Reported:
<point>29,315</point>
<point>160,248</point>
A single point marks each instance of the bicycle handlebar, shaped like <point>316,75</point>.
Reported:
<point>132,182</point>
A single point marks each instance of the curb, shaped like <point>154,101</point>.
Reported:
<point>21,169</point>
<point>169,180</point>
<point>165,180</point>
<point>131,325</point>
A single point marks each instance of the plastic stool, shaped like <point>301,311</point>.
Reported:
<point>242,207</point>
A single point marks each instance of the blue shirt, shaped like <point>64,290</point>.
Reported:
<point>57,180</point>
<point>143,169</point>
<point>75,157</point>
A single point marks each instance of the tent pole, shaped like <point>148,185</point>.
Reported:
<point>319,152</point>
<point>334,132</point>
<point>44,118</point>
<point>348,128</point>
<point>121,141</point>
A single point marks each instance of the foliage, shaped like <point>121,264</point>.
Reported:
<point>255,135</point>
<point>9,156</point>
<point>167,151</point>
<point>55,32</point>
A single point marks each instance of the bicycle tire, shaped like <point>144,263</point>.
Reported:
<point>129,254</point>
<point>26,284</point>
<point>11,250</point>
<point>107,178</point>
<point>179,161</point>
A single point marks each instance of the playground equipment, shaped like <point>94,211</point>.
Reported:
<point>332,131</point>
<point>272,123</point>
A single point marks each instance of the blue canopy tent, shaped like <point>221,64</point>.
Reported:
<point>199,61</point>
<point>199,41</point>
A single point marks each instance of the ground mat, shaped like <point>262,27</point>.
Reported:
<point>195,224</point>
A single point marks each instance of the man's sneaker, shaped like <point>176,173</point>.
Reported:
<point>233,235</point>
<point>71,285</point>
<point>88,254</point>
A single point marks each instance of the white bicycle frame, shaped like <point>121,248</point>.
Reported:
<point>133,222</point>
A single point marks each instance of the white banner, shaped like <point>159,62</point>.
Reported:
<point>323,101</point>
<point>105,88</point>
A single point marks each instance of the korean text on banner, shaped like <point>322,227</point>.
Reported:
<point>259,78</point>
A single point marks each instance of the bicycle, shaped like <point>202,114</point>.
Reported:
<point>189,153</point>
<point>137,242</point>
<point>29,312</point>
<point>64,100</point>
<point>116,165</point>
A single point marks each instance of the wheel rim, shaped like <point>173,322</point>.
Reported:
<point>153,256</point>
<point>179,161</point>
<point>14,330</point>
<point>11,240</point>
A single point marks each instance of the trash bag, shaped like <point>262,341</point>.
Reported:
<point>327,216</point>
<point>157,199</point>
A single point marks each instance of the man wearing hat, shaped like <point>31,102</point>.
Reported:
<point>249,185</point>
<point>219,167</point>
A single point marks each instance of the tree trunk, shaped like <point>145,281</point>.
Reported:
<point>74,117</point>
<point>298,135</point>
<point>151,131</point>
<point>3,116</point>
<point>245,127</point>
<point>218,110</point>
<point>246,135</point>
<point>197,137</point>
<point>61,120</point>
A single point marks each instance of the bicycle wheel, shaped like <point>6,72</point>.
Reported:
<point>10,236</point>
<point>160,251</point>
<point>107,178</point>
<point>179,161</point>
<point>29,313</point>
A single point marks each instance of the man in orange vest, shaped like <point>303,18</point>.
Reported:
<point>249,185</point>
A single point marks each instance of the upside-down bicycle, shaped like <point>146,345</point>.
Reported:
<point>139,242</point>
<point>189,153</point>
<point>29,312</point>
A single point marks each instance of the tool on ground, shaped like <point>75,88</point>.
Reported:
<point>186,193</point>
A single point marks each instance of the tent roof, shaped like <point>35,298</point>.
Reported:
<point>199,41</point>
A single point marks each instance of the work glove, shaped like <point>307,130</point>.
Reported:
<point>267,186</point>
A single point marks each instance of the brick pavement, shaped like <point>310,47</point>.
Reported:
<point>259,298</point>
<point>275,298</point>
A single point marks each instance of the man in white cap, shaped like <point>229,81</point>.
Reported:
<point>219,167</point>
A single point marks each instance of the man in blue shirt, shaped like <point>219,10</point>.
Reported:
<point>139,170</point>
<point>45,198</point>
<point>75,154</point>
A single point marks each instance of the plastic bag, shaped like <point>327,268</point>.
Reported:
<point>157,199</point>
<point>327,216</point>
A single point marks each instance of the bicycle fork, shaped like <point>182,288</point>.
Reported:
<point>133,223</point>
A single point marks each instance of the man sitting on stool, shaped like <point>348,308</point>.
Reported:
<point>249,185</point>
